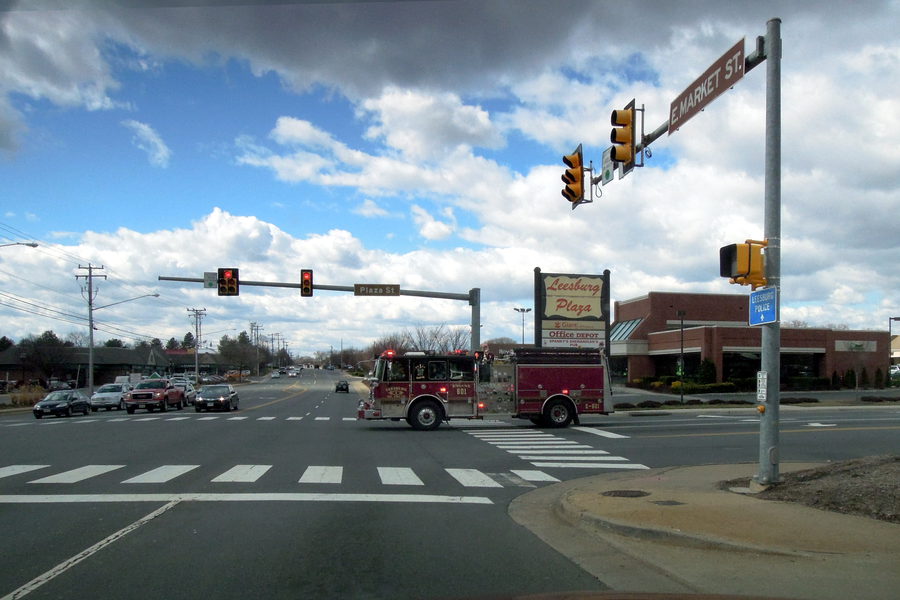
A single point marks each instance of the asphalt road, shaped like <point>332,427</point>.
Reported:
<point>292,497</point>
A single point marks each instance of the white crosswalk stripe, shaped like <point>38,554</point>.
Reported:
<point>162,474</point>
<point>322,475</point>
<point>472,478</point>
<point>242,474</point>
<point>398,476</point>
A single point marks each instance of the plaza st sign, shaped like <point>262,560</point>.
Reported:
<point>720,76</point>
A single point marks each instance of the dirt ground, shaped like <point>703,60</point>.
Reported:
<point>868,487</point>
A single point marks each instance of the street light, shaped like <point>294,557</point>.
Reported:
<point>29,244</point>
<point>91,309</point>
<point>890,348</point>
<point>523,311</point>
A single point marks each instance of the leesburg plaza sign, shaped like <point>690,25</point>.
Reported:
<point>572,310</point>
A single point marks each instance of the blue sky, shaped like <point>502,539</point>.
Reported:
<point>420,143</point>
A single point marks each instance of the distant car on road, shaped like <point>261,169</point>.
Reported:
<point>63,403</point>
<point>276,375</point>
<point>152,394</point>
<point>222,396</point>
<point>190,394</point>
<point>342,386</point>
<point>111,395</point>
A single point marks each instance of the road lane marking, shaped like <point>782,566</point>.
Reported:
<point>295,418</point>
<point>323,418</point>
<point>601,432</point>
<point>148,419</point>
<point>265,418</point>
<point>18,469</point>
<point>178,419</point>
<point>570,458</point>
<point>591,465</point>
<point>86,553</point>
<point>472,478</point>
<point>207,418</point>
<point>561,452</point>
<point>322,475</point>
<point>533,442</point>
<point>79,474</point>
<point>242,474</point>
<point>398,476</point>
<point>237,418</point>
<point>512,447</point>
<point>162,474</point>
<point>531,475</point>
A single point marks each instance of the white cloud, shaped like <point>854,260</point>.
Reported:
<point>148,140</point>
<point>370,208</point>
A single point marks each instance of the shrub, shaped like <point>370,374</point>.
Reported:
<point>850,378</point>
<point>623,406</point>
<point>28,395</point>
<point>649,404</point>
<point>707,371</point>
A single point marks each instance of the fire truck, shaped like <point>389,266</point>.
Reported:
<point>549,386</point>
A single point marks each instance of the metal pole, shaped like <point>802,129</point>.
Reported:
<point>681,357</point>
<point>771,333</point>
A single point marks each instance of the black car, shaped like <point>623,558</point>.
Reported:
<point>63,403</point>
<point>221,396</point>
<point>342,386</point>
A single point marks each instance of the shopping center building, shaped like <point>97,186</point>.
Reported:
<point>650,334</point>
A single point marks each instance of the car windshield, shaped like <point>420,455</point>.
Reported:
<point>58,396</point>
<point>151,384</point>
<point>110,388</point>
<point>215,390</point>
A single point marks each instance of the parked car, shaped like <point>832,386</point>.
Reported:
<point>109,396</point>
<point>152,394</point>
<point>222,396</point>
<point>342,386</point>
<point>276,375</point>
<point>190,394</point>
<point>63,403</point>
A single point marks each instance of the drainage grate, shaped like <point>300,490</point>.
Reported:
<point>626,493</point>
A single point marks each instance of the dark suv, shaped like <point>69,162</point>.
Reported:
<point>342,386</point>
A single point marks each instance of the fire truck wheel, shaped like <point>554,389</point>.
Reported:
<point>425,416</point>
<point>558,414</point>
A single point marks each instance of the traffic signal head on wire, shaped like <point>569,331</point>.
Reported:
<point>229,282</point>
<point>623,136</point>
<point>573,177</point>
<point>744,263</point>
<point>306,283</point>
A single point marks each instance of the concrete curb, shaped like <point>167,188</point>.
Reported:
<point>568,512</point>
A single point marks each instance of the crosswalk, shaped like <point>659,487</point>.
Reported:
<point>546,450</point>
<point>326,475</point>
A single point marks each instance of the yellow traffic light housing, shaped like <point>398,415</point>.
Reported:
<point>744,264</point>
<point>573,177</point>
<point>306,283</point>
<point>229,282</point>
<point>623,136</point>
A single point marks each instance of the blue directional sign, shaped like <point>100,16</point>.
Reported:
<point>764,306</point>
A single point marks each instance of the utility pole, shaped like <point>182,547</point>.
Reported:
<point>90,300</point>
<point>254,332</point>
<point>198,314</point>
<point>771,332</point>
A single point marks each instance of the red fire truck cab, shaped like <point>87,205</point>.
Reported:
<point>549,386</point>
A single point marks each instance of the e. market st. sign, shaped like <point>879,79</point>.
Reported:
<point>572,310</point>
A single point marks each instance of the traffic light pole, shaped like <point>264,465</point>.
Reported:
<point>771,332</point>
<point>473,297</point>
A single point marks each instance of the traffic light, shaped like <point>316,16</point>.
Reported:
<point>306,283</point>
<point>229,282</point>
<point>623,136</point>
<point>743,263</point>
<point>573,177</point>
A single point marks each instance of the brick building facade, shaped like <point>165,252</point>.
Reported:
<point>651,332</point>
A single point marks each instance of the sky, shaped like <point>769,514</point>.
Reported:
<point>421,144</point>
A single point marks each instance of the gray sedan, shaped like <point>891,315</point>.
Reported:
<point>111,395</point>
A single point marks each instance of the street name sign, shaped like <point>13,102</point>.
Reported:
<point>764,306</point>
<point>720,76</point>
<point>376,289</point>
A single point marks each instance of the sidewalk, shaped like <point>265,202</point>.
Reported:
<point>679,532</point>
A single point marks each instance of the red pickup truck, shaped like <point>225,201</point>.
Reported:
<point>152,394</point>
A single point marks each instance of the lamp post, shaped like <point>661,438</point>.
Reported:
<point>523,311</point>
<point>91,309</point>
<point>29,244</point>
<point>890,348</point>
<point>680,314</point>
